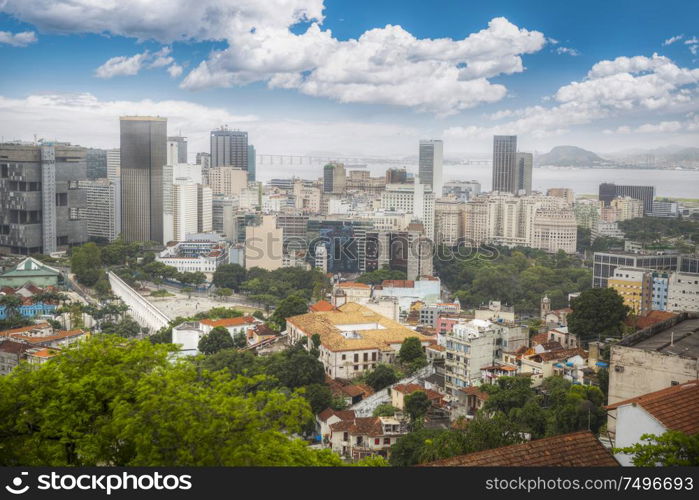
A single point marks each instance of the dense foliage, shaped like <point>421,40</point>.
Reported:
<point>650,230</point>
<point>598,313</point>
<point>519,277</point>
<point>672,448</point>
<point>376,277</point>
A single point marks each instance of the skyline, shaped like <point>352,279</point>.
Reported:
<point>350,82</point>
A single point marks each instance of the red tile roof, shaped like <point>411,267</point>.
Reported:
<point>369,426</point>
<point>321,305</point>
<point>353,284</point>
<point>38,326</point>
<point>539,338</point>
<point>676,407</point>
<point>578,449</point>
<point>399,283</point>
<point>475,391</point>
<point>410,388</point>
<point>651,318</point>
<point>40,339</point>
<point>324,415</point>
<point>226,322</point>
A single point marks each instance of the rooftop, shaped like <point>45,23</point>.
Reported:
<point>681,339</point>
<point>676,407</point>
<point>578,449</point>
<point>369,330</point>
<point>227,322</point>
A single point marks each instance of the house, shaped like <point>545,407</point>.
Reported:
<point>234,326</point>
<point>560,334</point>
<point>32,271</point>
<point>350,393</point>
<point>577,449</point>
<point>39,355</point>
<point>30,307</point>
<point>400,391</point>
<point>489,374</point>
<point>11,353</point>
<point>540,365</point>
<point>468,401</point>
<point>365,436</point>
<point>43,335</point>
<point>328,417</point>
<point>353,338</point>
<point>674,408</point>
<point>260,333</point>
<point>188,335</point>
<point>350,291</point>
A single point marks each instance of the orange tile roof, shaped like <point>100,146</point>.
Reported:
<point>475,391</point>
<point>321,305</point>
<point>410,388</point>
<point>369,426</point>
<point>45,353</point>
<point>353,284</point>
<point>7,333</point>
<point>324,415</point>
<point>60,335</point>
<point>676,407</point>
<point>578,449</point>
<point>226,322</point>
<point>399,283</point>
<point>651,318</point>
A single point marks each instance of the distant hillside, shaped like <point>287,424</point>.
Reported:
<point>569,156</point>
<point>686,154</point>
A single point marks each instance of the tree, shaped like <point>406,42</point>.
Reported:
<point>411,351</point>
<point>295,368</point>
<point>409,448</point>
<point>290,306</point>
<point>217,339</point>
<point>127,327</point>
<point>223,292</point>
<point>382,376</point>
<point>672,448</point>
<point>85,263</point>
<point>384,410</point>
<point>233,361</point>
<point>318,396</point>
<point>598,313</point>
<point>240,340</point>
<point>416,406</point>
<point>229,276</point>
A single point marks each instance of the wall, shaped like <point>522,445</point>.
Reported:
<point>145,313</point>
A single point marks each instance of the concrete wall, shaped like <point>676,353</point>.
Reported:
<point>145,313</point>
<point>632,422</point>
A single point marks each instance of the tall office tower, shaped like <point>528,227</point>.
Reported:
<point>171,153</point>
<point>334,178</point>
<point>396,176</point>
<point>181,147</point>
<point>204,159</point>
<point>40,198</point>
<point>252,163</point>
<point>113,165</point>
<point>229,148</point>
<point>96,160</point>
<point>223,212</point>
<point>430,164</point>
<point>504,163</point>
<point>204,209</point>
<point>524,164</point>
<point>143,156</point>
<point>609,191</point>
<point>185,208</point>
<point>103,213</point>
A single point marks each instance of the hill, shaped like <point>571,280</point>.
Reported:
<point>569,156</point>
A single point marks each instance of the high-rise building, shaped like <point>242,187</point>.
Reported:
<point>635,286</point>
<point>103,212</point>
<point>448,221</point>
<point>229,148</point>
<point>204,209</point>
<point>524,165</point>
<point>185,205</point>
<point>505,163</point>
<point>264,245</point>
<point>143,156</point>
<point>204,159</point>
<point>609,191</point>
<point>461,190</point>
<point>114,165</point>
<point>227,180</point>
<point>181,147</point>
<point>334,178</point>
<point>430,164</point>
<point>223,216</point>
<point>252,163</point>
<point>411,199</point>
<point>96,160</point>
<point>396,176</point>
<point>41,202</point>
<point>565,193</point>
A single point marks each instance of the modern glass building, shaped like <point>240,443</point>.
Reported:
<point>505,163</point>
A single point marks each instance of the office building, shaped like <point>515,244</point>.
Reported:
<point>102,214</point>
<point>223,216</point>
<point>411,199</point>
<point>609,191</point>
<point>430,160</point>
<point>185,205</point>
<point>605,263</point>
<point>505,163</point>
<point>524,165</point>
<point>40,198</point>
<point>565,193</point>
<point>143,156</point>
<point>665,209</point>
<point>396,176</point>
<point>228,181</point>
<point>204,209</point>
<point>635,286</point>
<point>448,221</point>
<point>264,244</point>
<point>462,190</point>
<point>114,166</point>
<point>334,178</point>
<point>229,148</point>
<point>252,163</point>
<point>96,163</point>
<point>406,251</point>
<point>204,160</point>
<point>181,148</point>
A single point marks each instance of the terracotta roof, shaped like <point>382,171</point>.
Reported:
<point>436,347</point>
<point>326,323</point>
<point>369,426</point>
<point>44,353</point>
<point>40,339</point>
<point>561,354</point>
<point>676,407</point>
<point>321,305</point>
<point>226,322</point>
<point>13,347</point>
<point>651,318</point>
<point>506,368</point>
<point>38,326</point>
<point>475,391</point>
<point>410,388</point>
<point>353,284</point>
<point>399,283</point>
<point>539,338</point>
<point>578,449</point>
<point>324,415</point>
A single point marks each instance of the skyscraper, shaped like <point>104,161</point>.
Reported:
<point>504,163</point>
<point>524,164</point>
<point>181,147</point>
<point>609,191</point>
<point>229,148</point>
<point>430,164</point>
<point>252,162</point>
<point>334,178</point>
<point>143,156</point>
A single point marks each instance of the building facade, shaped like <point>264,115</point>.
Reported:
<point>229,148</point>
<point>505,163</point>
<point>430,158</point>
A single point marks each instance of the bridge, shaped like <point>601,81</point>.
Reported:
<point>354,161</point>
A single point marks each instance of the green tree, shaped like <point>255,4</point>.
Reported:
<point>85,263</point>
<point>229,276</point>
<point>416,406</point>
<point>217,339</point>
<point>288,307</point>
<point>672,448</point>
<point>318,396</point>
<point>223,292</point>
<point>240,340</point>
<point>382,376</point>
<point>409,449</point>
<point>233,361</point>
<point>598,313</point>
<point>295,368</point>
<point>384,410</point>
<point>411,351</point>
<point>127,327</point>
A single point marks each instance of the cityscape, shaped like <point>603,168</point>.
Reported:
<point>216,292</point>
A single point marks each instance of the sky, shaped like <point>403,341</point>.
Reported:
<point>355,77</point>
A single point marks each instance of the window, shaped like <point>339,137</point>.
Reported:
<point>356,367</point>
<point>356,357</point>
<point>373,356</point>
<point>386,441</point>
<point>366,356</point>
<point>345,436</point>
<point>377,441</point>
<point>344,356</point>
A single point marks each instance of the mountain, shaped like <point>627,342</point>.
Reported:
<point>569,156</point>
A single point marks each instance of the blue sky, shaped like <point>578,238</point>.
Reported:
<point>356,77</point>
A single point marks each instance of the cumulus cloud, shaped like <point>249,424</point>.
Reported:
<point>129,66</point>
<point>567,50</point>
<point>383,66</point>
<point>175,70</point>
<point>672,40</point>
<point>17,39</point>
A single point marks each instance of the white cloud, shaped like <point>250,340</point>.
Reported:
<point>122,66</point>
<point>161,58</point>
<point>567,50</point>
<point>17,39</point>
<point>693,45</point>
<point>383,66</point>
<point>175,70</point>
<point>672,40</point>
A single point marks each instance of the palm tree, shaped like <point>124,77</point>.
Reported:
<point>12,304</point>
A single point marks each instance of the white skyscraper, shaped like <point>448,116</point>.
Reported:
<point>430,164</point>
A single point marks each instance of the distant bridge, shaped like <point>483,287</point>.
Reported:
<point>354,161</point>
